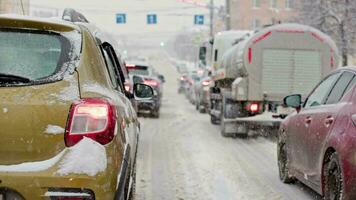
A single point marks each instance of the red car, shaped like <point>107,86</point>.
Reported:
<point>317,143</point>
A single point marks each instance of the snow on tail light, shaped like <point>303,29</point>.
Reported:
<point>94,118</point>
<point>253,107</point>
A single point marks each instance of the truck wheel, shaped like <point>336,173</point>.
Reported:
<point>223,130</point>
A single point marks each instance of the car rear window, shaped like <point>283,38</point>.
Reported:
<point>35,55</point>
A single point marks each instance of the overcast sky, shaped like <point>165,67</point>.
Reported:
<point>173,15</point>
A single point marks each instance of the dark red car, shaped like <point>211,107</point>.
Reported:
<point>317,143</point>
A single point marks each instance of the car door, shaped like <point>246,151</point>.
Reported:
<point>323,118</point>
<point>300,130</point>
<point>129,125</point>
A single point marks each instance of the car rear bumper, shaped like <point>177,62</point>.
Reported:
<point>32,184</point>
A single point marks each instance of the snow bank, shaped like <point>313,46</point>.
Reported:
<point>54,130</point>
<point>32,166</point>
<point>86,157</point>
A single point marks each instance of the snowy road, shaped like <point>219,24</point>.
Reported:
<point>182,156</point>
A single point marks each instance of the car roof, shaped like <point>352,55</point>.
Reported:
<point>36,23</point>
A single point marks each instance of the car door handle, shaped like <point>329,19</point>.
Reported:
<point>307,121</point>
<point>328,121</point>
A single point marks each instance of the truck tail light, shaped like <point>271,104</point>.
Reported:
<point>94,118</point>
<point>253,107</point>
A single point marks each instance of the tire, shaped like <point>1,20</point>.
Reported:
<point>223,130</point>
<point>214,120</point>
<point>202,110</point>
<point>155,113</point>
<point>333,180</point>
<point>284,174</point>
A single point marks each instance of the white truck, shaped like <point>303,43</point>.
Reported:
<point>260,68</point>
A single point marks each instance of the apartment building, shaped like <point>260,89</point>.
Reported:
<point>252,14</point>
<point>14,7</point>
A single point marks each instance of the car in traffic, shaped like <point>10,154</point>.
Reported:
<point>151,78</point>
<point>68,129</point>
<point>316,144</point>
<point>202,94</point>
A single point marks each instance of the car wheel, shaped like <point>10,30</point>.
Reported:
<point>333,180</point>
<point>284,174</point>
<point>155,113</point>
<point>214,120</point>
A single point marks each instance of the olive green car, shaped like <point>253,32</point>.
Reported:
<point>68,131</point>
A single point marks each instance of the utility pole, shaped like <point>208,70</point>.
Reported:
<point>227,15</point>
<point>211,18</point>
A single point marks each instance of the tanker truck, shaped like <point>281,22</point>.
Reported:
<point>252,77</point>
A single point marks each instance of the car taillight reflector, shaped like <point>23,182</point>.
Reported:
<point>151,82</point>
<point>93,118</point>
<point>253,107</point>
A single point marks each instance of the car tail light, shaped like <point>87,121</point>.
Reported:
<point>205,83</point>
<point>130,66</point>
<point>151,82</point>
<point>93,118</point>
<point>253,107</point>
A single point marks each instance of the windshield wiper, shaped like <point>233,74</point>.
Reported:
<point>11,78</point>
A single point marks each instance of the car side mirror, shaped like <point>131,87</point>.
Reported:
<point>142,91</point>
<point>161,77</point>
<point>294,101</point>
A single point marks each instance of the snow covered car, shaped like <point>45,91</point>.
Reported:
<point>66,123</point>
<point>316,143</point>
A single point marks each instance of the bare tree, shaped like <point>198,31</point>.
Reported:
<point>334,17</point>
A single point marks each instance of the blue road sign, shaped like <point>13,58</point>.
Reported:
<point>199,19</point>
<point>121,18</point>
<point>151,19</point>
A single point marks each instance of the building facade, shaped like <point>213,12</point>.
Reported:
<point>14,7</point>
<point>253,14</point>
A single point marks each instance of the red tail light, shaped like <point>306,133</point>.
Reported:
<point>205,83</point>
<point>93,118</point>
<point>253,107</point>
<point>151,82</point>
<point>130,66</point>
<point>249,55</point>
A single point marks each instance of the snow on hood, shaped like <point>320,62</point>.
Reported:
<point>32,166</point>
<point>86,157</point>
<point>54,130</point>
<point>114,96</point>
